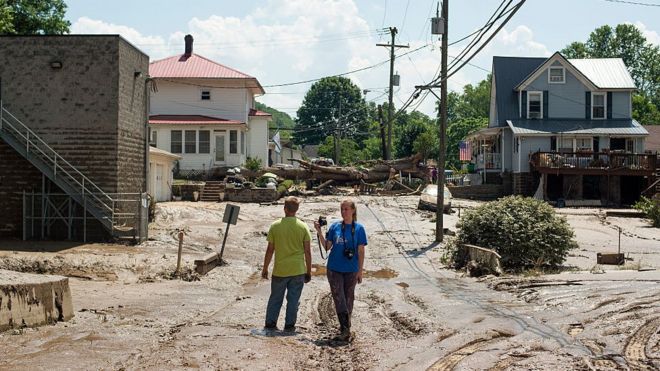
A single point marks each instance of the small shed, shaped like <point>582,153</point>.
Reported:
<point>161,164</point>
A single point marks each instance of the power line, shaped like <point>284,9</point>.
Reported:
<point>632,3</point>
<point>345,73</point>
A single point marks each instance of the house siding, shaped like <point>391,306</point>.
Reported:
<point>564,100</point>
<point>621,105</point>
<point>507,150</point>
<point>529,145</point>
<point>258,140</point>
<point>200,161</point>
<point>228,100</point>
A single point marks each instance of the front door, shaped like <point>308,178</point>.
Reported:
<point>220,148</point>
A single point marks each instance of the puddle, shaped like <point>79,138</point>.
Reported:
<point>271,333</point>
<point>385,273</point>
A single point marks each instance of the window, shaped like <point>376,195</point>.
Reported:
<point>598,106</point>
<point>175,142</point>
<point>566,145</point>
<point>153,138</point>
<point>191,141</point>
<point>583,144</point>
<point>534,105</point>
<point>206,95</point>
<point>556,75</point>
<point>242,142</point>
<point>233,141</point>
<point>204,141</point>
<point>630,145</point>
<point>553,143</point>
<point>516,145</point>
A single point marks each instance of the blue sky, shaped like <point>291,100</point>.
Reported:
<point>283,41</point>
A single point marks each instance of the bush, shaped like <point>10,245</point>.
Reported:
<point>524,231</point>
<point>650,208</point>
<point>253,164</point>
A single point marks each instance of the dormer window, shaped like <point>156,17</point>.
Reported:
<point>598,105</point>
<point>556,75</point>
<point>535,105</point>
<point>206,95</point>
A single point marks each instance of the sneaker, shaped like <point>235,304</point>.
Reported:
<point>290,328</point>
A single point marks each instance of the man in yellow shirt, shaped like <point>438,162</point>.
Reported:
<point>289,239</point>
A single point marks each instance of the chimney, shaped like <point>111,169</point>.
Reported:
<point>189,44</point>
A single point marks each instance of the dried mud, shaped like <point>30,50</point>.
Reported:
<point>410,313</point>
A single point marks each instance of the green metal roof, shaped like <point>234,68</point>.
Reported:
<point>627,127</point>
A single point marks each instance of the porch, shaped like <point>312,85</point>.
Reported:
<point>594,163</point>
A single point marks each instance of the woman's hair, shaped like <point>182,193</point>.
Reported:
<point>352,203</point>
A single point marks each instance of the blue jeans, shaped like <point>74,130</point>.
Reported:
<point>278,285</point>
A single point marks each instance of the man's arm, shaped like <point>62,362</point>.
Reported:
<point>308,260</point>
<point>269,255</point>
<point>360,262</point>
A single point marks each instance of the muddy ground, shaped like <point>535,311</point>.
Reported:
<point>410,312</point>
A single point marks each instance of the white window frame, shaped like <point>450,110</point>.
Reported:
<point>604,95</point>
<point>235,151</point>
<point>204,92</point>
<point>529,94</point>
<point>153,138</point>
<point>591,143</point>
<point>563,75</point>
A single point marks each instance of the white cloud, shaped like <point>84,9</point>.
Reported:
<point>651,36</point>
<point>153,45</point>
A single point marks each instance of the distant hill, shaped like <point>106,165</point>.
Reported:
<point>280,119</point>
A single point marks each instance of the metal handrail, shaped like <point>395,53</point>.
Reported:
<point>48,154</point>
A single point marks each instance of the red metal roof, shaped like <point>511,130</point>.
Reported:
<point>254,112</point>
<point>190,120</point>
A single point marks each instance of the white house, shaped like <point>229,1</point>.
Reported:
<point>204,112</point>
<point>160,173</point>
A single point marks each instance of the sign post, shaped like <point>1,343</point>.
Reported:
<point>230,217</point>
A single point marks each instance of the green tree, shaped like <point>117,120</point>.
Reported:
<point>426,144</point>
<point>456,132</point>
<point>281,120</point>
<point>473,102</point>
<point>332,105</point>
<point>349,154</point>
<point>407,128</point>
<point>33,17</point>
<point>642,58</point>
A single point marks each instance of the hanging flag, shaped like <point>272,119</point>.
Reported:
<point>276,140</point>
<point>464,151</point>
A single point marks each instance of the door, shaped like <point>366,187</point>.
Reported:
<point>220,148</point>
<point>159,182</point>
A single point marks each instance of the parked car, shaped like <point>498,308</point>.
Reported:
<point>429,199</point>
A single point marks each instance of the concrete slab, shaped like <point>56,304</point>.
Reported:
<point>28,300</point>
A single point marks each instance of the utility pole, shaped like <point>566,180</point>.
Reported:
<point>439,225</point>
<point>336,137</point>
<point>382,131</point>
<point>392,45</point>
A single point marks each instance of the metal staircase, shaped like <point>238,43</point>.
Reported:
<point>99,204</point>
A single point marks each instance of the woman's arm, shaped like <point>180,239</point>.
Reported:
<point>319,233</point>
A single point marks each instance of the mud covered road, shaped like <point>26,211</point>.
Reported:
<point>410,312</point>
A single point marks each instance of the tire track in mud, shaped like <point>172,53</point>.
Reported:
<point>448,362</point>
<point>635,350</point>
<point>460,291</point>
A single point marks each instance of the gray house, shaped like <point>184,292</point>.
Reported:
<point>563,128</point>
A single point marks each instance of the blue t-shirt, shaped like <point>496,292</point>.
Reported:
<point>345,236</point>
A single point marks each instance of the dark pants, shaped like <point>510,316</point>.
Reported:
<point>342,286</point>
<point>293,287</point>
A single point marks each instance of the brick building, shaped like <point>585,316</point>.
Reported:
<point>74,124</point>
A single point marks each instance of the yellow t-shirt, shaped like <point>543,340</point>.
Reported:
<point>288,235</point>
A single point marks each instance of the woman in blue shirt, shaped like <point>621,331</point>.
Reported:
<point>346,241</point>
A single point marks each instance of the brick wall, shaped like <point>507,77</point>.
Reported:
<point>92,110</point>
<point>524,184</point>
<point>14,179</point>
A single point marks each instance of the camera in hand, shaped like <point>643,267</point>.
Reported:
<point>323,221</point>
<point>349,253</point>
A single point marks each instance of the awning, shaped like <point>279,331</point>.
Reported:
<point>485,133</point>
<point>190,120</point>
<point>622,127</point>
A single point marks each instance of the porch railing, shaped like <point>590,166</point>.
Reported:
<point>590,160</point>
<point>489,161</point>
